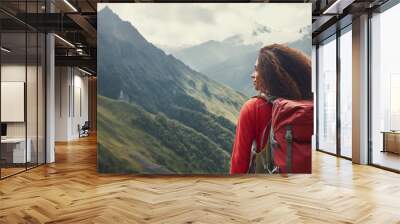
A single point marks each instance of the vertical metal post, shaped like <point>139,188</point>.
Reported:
<point>338,77</point>
<point>369,95</point>
<point>26,86</point>
<point>37,88</point>
<point>0,94</point>
<point>317,95</point>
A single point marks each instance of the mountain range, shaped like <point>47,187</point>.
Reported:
<point>231,61</point>
<point>156,114</point>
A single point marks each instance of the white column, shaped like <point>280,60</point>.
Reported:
<point>360,90</point>
<point>50,92</point>
<point>50,100</point>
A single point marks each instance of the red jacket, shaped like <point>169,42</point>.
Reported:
<point>254,116</point>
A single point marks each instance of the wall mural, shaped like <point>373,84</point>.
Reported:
<point>175,87</point>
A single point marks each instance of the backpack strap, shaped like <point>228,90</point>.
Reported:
<point>268,98</point>
<point>270,167</point>
<point>263,161</point>
<point>253,157</point>
<point>289,142</point>
<point>271,99</point>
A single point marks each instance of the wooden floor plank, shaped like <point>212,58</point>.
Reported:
<point>71,191</point>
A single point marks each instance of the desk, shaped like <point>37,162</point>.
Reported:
<point>391,141</point>
<point>15,148</point>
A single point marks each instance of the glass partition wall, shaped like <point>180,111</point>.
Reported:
<point>22,98</point>
<point>13,109</point>
<point>334,96</point>
<point>345,93</point>
<point>385,89</point>
<point>327,95</point>
<point>334,84</point>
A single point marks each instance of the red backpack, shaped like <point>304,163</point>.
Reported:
<point>288,148</point>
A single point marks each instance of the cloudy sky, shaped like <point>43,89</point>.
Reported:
<point>175,25</point>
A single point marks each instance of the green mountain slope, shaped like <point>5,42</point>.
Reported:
<point>142,142</point>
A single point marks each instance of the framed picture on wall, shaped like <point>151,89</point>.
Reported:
<point>176,87</point>
<point>12,101</point>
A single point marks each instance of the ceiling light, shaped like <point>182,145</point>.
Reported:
<point>64,40</point>
<point>84,71</point>
<point>335,7</point>
<point>70,5</point>
<point>5,50</point>
<point>79,51</point>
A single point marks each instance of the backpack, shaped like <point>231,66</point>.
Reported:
<point>288,148</point>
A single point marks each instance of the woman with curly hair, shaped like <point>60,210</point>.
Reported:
<point>281,72</point>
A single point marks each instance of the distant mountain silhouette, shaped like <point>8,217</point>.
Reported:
<point>202,56</point>
<point>235,72</point>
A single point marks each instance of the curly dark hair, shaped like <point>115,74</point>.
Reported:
<point>286,72</point>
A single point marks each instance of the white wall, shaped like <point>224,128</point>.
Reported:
<point>80,110</point>
<point>71,93</point>
<point>62,81</point>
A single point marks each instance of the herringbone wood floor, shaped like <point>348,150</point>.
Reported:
<point>71,191</point>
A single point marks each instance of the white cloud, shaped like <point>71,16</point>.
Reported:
<point>185,24</point>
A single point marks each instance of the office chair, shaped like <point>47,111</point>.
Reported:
<point>84,130</point>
